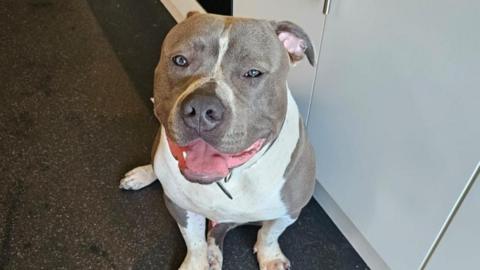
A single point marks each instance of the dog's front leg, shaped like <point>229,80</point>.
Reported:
<point>192,227</point>
<point>194,235</point>
<point>269,254</point>
<point>138,178</point>
<point>215,238</point>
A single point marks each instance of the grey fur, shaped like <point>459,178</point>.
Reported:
<point>299,175</point>
<point>219,232</point>
<point>179,214</point>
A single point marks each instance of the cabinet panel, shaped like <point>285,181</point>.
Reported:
<point>458,249</point>
<point>307,14</point>
<point>394,118</point>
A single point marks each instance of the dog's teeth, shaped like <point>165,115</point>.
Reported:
<point>184,155</point>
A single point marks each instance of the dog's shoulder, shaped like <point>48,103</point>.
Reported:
<point>299,174</point>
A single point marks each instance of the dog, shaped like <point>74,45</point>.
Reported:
<point>232,147</point>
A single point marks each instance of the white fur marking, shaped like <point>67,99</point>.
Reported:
<point>223,42</point>
<point>224,91</point>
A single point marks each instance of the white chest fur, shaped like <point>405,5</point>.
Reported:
<point>255,186</point>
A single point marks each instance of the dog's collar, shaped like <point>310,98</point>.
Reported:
<point>222,187</point>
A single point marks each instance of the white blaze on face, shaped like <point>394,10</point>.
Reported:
<point>223,91</point>
<point>223,42</point>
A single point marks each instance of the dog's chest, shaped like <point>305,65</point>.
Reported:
<point>248,203</point>
<point>256,191</point>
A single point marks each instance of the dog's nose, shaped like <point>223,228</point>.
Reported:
<point>202,110</point>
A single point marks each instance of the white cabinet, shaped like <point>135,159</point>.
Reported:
<point>305,13</point>
<point>458,249</point>
<point>394,118</point>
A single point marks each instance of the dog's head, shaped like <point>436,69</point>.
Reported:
<point>220,89</point>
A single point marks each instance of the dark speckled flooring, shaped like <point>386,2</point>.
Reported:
<point>75,77</point>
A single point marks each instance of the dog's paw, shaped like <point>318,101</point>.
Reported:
<point>191,263</point>
<point>138,178</point>
<point>276,264</point>
<point>270,257</point>
<point>215,257</point>
<point>183,267</point>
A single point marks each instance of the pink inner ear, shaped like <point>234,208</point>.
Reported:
<point>293,44</point>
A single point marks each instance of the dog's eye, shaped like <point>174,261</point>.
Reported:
<point>252,73</point>
<point>180,60</point>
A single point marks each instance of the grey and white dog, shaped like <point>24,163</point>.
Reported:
<point>232,146</point>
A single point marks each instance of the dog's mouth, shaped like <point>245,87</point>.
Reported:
<point>201,163</point>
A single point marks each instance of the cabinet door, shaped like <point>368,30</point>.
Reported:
<point>458,249</point>
<point>395,117</point>
<point>307,14</point>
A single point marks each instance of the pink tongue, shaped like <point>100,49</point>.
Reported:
<point>204,160</point>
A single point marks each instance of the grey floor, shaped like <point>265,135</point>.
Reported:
<point>75,78</point>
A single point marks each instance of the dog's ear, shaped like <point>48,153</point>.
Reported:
<point>295,40</point>
<point>192,13</point>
